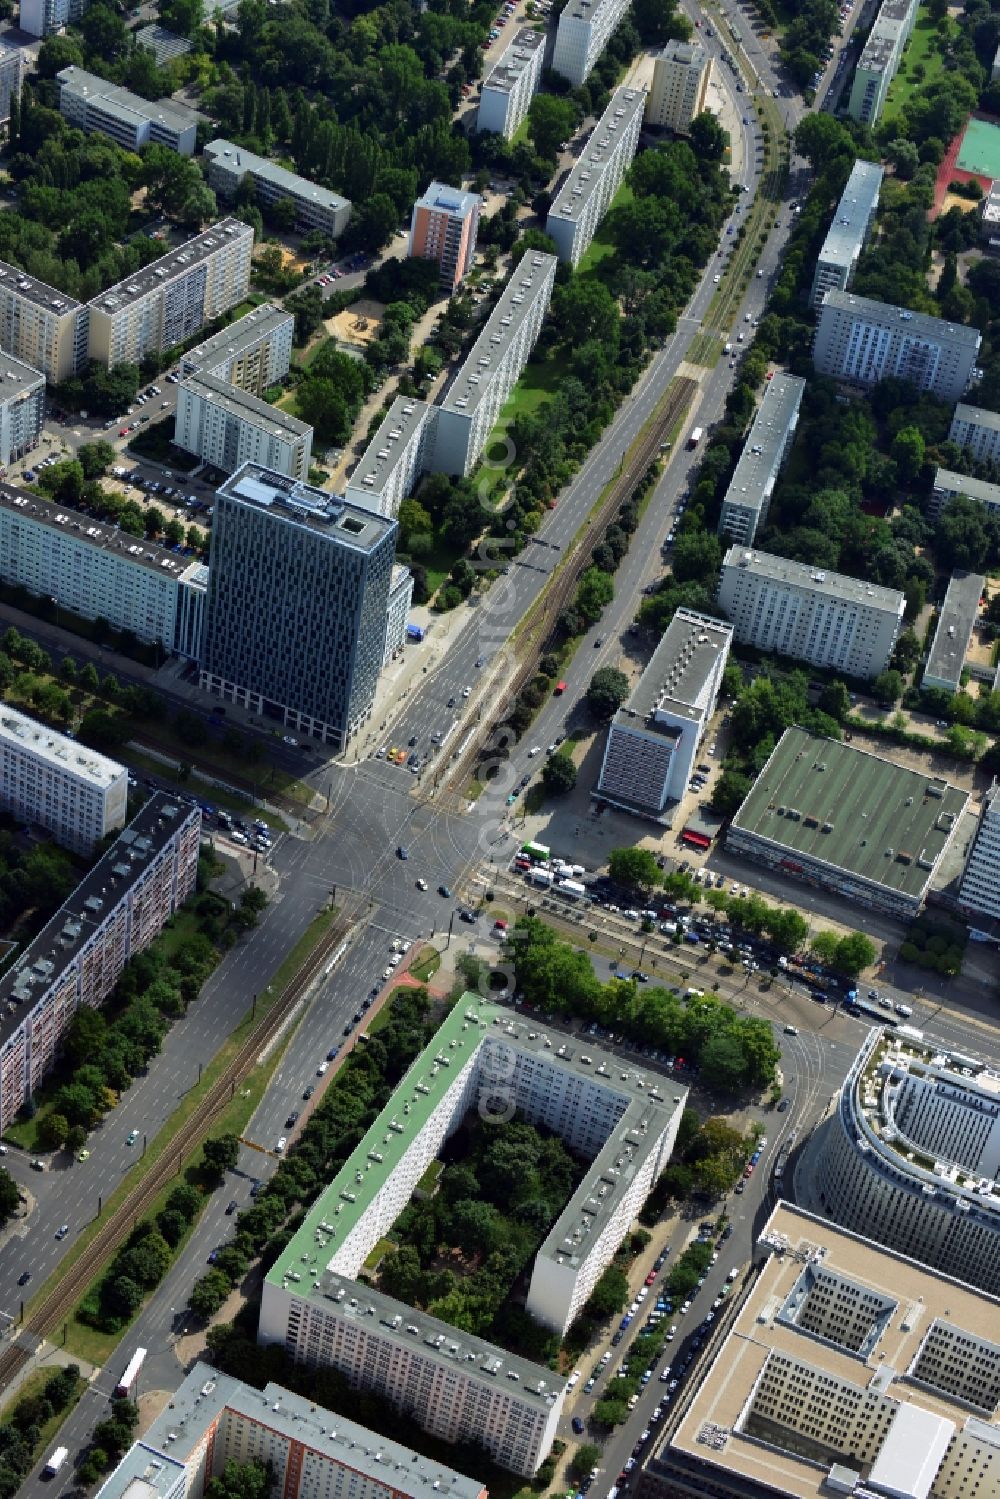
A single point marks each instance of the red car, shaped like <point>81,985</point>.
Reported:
<point>651,1277</point>
<point>748,1172</point>
<point>123,432</point>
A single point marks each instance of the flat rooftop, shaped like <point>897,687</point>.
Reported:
<point>765,443</point>
<point>531,279</point>
<point>262,322</point>
<point>956,622</point>
<point>16,377</point>
<point>850,222</point>
<point>78,918</point>
<point>691,54</point>
<point>14,280</point>
<point>585,10</point>
<point>977,416</point>
<point>303,504</point>
<point>401,422</point>
<point>901,320</point>
<point>57,750</point>
<point>445,199</point>
<point>813,579</point>
<point>122,102</point>
<point>678,669</point>
<point>206,1394</point>
<point>164,45</point>
<point>948,483</point>
<point>176,262</point>
<point>852,811</point>
<point>895,1306</point>
<point>97,533</point>
<point>239,161</point>
<point>247,407</point>
<point>513,60</point>
<point>584,180</point>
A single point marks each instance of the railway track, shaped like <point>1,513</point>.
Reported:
<point>539,630</point>
<point>56,1305</point>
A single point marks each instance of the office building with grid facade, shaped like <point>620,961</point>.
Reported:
<point>848,234</point>
<point>747,501</point>
<point>227,427</point>
<point>865,341</point>
<point>22,408</point>
<point>91,103</point>
<point>40,326</point>
<point>444,227</point>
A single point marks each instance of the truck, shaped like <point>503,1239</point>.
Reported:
<point>537,851</point>
<point>127,1382</point>
<point>541,877</point>
<point>697,433</point>
<point>572,889</point>
<point>55,1462</point>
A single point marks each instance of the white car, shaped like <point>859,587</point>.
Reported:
<point>282,1142</point>
<point>321,1069</point>
<point>466,691</point>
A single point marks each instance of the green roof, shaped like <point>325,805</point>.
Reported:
<point>850,810</point>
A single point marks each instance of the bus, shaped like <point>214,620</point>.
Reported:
<point>55,1462</point>
<point>127,1382</point>
<point>536,851</point>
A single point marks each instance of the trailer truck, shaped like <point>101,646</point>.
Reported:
<point>541,876</point>
<point>697,433</point>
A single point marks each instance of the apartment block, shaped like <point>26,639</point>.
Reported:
<point>989,221</point>
<point>865,341</point>
<point>879,60</point>
<point>455,1385</point>
<point>53,781</point>
<point>475,398</point>
<point>654,737</point>
<point>957,619</point>
<point>298,590</point>
<point>79,955</point>
<point>315,207</point>
<point>585,27</point>
<point>396,610</point>
<point>848,234</point>
<point>392,463</point>
<point>828,619</point>
<point>22,408</point>
<point>11,70</point>
<point>681,75</point>
<point>512,83</point>
<point>846,1368</point>
<point>253,353</point>
<point>443,228</point>
<point>977,431</point>
<point>227,427</point>
<point>748,499</point>
<point>587,193</point>
<point>97,571</point>
<point>91,103</point>
<point>948,484</point>
<point>43,17</point>
<point>214,1419</point>
<point>172,298</point>
<point>979,892</point>
<point>40,326</point>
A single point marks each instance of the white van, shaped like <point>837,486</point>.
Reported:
<point>903,1010</point>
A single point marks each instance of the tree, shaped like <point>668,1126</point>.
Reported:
<point>53,1130</point>
<point>697,556</point>
<point>635,868</point>
<point>607,691</point>
<point>907,453</point>
<point>220,1155</point>
<point>321,405</point>
<point>8,1196</point>
<point>610,1294</point>
<point>200,206</point>
<point>729,793</point>
<point>558,775</point>
<point>550,120</point>
<point>595,590</point>
<point>95,458</point>
<point>707,137</point>
<point>854,953</point>
<point>208,1294</point>
<point>241,1481</point>
<point>887,688</point>
<point>835,700</point>
<point>586,1457</point>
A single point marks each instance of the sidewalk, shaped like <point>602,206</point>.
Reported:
<point>47,1356</point>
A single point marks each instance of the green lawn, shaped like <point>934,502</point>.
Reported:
<point>601,246</point>
<point>539,382</point>
<point>925,50</point>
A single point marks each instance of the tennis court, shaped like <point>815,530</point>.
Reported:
<point>980,149</point>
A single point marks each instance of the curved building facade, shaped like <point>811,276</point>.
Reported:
<point>912,1156</point>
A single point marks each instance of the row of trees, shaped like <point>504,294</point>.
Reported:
<point>734,1051</point>
<point>21,1431</point>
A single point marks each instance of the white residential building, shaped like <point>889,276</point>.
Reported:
<point>880,58</point>
<point>958,618</point>
<point>315,207</point>
<point>97,571</point>
<point>747,500</point>
<point>848,234</point>
<point>455,1385</point>
<point>979,892</point>
<point>467,414</point>
<point>46,778</point>
<point>585,28</point>
<point>865,341</point>
<point>586,195</point>
<point>79,955</point>
<point>11,70</point>
<point>512,83</point>
<point>91,103</point>
<point>253,353</point>
<point>681,75</point>
<point>654,737</point>
<point>227,427</point>
<point>43,17</point>
<point>41,326</point>
<point>22,408</point>
<point>214,1419</point>
<point>173,297</point>
<point>948,484</point>
<point>394,460</point>
<point>977,431</point>
<point>790,609</point>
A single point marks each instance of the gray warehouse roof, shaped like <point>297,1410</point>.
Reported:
<point>914,324</point>
<point>514,59</point>
<point>584,180</point>
<point>176,262</point>
<point>956,622</point>
<point>305,505</point>
<point>527,283</point>
<point>853,214</point>
<point>814,579</point>
<point>12,278</point>
<point>247,407</point>
<point>679,667</point>
<point>852,811</point>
